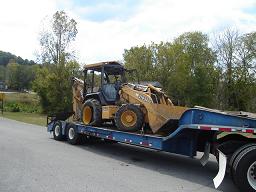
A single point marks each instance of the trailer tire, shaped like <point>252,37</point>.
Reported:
<point>73,137</point>
<point>129,118</point>
<point>244,169</point>
<point>235,154</point>
<point>57,131</point>
<point>92,112</point>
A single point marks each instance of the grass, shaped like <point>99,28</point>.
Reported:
<point>22,102</point>
<point>22,97</point>
<point>32,118</point>
<point>24,107</point>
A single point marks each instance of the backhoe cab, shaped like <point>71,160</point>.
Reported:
<point>103,81</point>
<point>105,95</point>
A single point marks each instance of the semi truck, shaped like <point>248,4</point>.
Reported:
<point>229,136</point>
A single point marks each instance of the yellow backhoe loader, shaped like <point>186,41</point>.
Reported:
<point>105,96</point>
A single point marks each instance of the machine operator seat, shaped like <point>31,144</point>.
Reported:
<point>110,92</point>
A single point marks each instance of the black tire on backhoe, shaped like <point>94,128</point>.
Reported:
<point>92,113</point>
<point>129,118</point>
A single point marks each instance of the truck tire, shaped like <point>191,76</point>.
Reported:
<point>92,113</point>
<point>57,131</point>
<point>236,153</point>
<point>73,137</point>
<point>244,169</point>
<point>129,118</point>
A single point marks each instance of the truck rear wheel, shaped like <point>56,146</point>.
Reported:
<point>57,131</point>
<point>244,169</point>
<point>92,112</point>
<point>129,118</point>
<point>236,153</point>
<point>74,138</point>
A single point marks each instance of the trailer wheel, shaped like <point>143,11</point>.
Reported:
<point>129,118</point>
<point>236,153</point>
<point>73,137</point>
<point>57,131</point>
<point>244,169</point>
<point>92,112</point>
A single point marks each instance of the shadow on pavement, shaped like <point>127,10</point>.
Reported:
<point>169,164</point>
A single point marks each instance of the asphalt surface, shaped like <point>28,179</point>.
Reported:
<point>30,160</point>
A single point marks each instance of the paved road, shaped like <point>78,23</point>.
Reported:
<point>30,160</point>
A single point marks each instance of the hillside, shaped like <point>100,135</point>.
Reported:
<point>5,58</point>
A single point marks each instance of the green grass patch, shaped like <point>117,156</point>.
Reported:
<point>22,102</point>
<point>32,118</point>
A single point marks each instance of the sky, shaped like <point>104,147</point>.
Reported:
<point>107,28</point>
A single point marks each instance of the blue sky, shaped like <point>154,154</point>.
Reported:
<point>100,11</point>
<point>106,28</point>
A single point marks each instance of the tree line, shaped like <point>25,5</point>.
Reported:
<point>192,69</point>
<point>17,75</point>
<point>6,57</point>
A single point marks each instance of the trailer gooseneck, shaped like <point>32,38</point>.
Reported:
<point>198,131</point>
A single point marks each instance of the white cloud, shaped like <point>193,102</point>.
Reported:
<point>161,21</point>
<point>20,24</point>
<point>156,21</point>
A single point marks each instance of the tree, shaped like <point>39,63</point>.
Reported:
<point>236,55</point>
<point>19,77</point>
<point>185,68</point>
<point>53,85</point>
<point>199,71</point>
<point>6,57</point>
<point>53,79</point>
<point>139,58</point>
<point>2,73</point>
<point>244,73</point>
<point>55,41</point>
<point>226,48</point>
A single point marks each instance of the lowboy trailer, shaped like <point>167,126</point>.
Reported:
<point>229,137</point>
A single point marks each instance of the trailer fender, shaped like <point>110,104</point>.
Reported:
<point>222,170</point>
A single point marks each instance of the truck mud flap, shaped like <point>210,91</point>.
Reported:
<point>222,170</point>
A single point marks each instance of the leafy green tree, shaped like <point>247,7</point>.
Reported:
<point>185,68</point>
<point>236,55</point>
<point>199,70</point>
<point>20,77</point>
<point>2,73</point>
<point>139,58</point>
<point>53,85</point>
<point>53,79</point>
<point>226,49</point>
<point>12,76</point>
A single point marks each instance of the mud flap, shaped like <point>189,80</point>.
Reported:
<point>222,170</point>
<point>204,159</point>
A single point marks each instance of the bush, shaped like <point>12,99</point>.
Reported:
<point>22,102</point>
<point>12,107</point>
<point>53,85</point>
<point>22,107</point>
